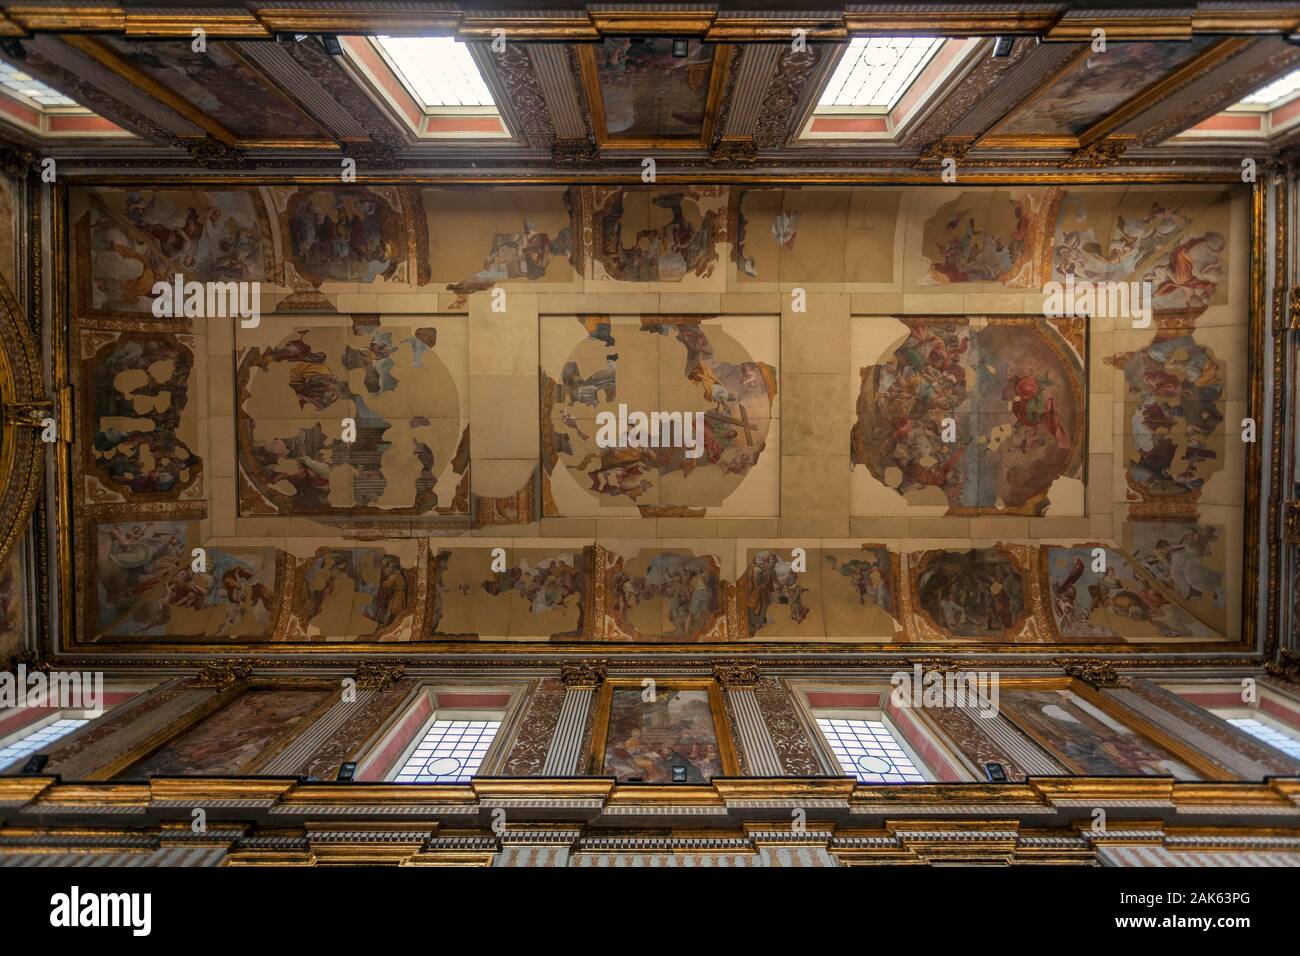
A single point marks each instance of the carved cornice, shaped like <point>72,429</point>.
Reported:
<point>371,675</point>
<point>15,161</point>
<point>739,153</point>
<point>30,660</point>
<point>368,152</point>
<point>214,154</point>
<point>582,673</point>
<point>1102,152</point>
<point>736,675</point>
<point>571,153</point>
<point>1286,667</point>
<point>221,674</point>
<point>950,147</point>
<point>1093,673</point>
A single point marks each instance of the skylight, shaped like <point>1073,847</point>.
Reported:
<point>869,751</point>
<point>439,71</point>
<point>1275,92</point>
<point>14,79</point>
<point>874,72</point>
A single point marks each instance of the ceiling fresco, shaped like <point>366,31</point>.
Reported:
<point>407,449</point>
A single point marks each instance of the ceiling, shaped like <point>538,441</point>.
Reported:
<point>304,87</point>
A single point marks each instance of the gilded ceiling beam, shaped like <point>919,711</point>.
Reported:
<point>1051,23</point>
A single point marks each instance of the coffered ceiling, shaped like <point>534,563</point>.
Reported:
<point>693,86</point>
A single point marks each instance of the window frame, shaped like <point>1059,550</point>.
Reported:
<point>879,716</point>
<point>18,735</point>
<point>381,760</point>
<point>924,734</point>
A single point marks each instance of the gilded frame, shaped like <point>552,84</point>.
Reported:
<point>1112,119</point>
<point>595,759</point>
<point>718,72</point>
<point>218,702</point>
<point>1134,721</point>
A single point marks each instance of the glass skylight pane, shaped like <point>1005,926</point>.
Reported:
<point>450,752</point>
<point>15,79</point>
<point>38,739</point>
<point>439,71</point>
<point>867,750</point>
<point>1289,745</point>
<point>1278,90</point>
<point>876,71</point>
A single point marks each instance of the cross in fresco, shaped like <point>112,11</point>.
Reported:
<point>742,423</point>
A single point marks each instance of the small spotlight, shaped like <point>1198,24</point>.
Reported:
<point>679,774</point>
<point>680,48</point>
<point>36,763</point>
<point>13,49</point>
<point>347,772</point>
<point>1293,38</point>
<point>332,45</point>
<point>1002,46</point>
<point>995,772</point>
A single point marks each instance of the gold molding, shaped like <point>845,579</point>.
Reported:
<point>991,176</point>
<point>19,19</point>
<point>312,824</point>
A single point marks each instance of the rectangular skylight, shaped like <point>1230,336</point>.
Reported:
<point>33,89</point>
<point>451,751</point>
<point>876,71</point>
<point>439,71</point>
<point>44,735</point>
<point>1273,94</point>
<point>869,751</point>
<point>1289,745</point>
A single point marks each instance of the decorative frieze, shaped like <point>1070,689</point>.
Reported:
<point>528,751</point>
<point>794,750</point>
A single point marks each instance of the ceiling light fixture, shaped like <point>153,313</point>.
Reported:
<point>1002,46</point>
